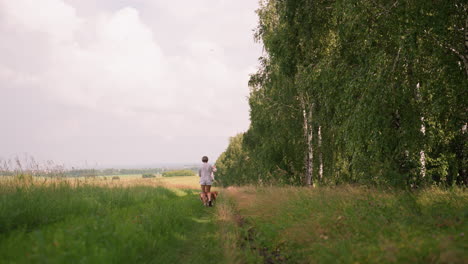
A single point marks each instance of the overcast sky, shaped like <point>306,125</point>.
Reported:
<point>124,83</point>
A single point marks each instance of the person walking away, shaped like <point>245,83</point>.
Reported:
<point>205,172</point>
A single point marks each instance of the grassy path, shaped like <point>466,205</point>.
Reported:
<point>86,223</point>
<point>89,224</point>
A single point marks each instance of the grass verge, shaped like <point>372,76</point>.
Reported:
<point>64,223</point>
<point>353,225</point>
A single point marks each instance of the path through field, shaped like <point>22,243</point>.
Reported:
<point>60,222</point>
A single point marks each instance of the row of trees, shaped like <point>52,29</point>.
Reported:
<point>173,173</point>
<point>369,91</point>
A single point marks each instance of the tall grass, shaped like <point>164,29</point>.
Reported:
<point>82,223</point>
<point>97,221</point>
<point>354,225</point>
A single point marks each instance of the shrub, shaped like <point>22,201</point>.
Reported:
<point>178,173</point>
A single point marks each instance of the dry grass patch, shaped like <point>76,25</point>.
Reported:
<point>185,182</point>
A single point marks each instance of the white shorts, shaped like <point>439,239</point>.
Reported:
<point>205,181</point>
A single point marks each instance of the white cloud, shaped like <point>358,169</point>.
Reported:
<point>121,68</point>
<point>177,71</point>
<point>52,17</point>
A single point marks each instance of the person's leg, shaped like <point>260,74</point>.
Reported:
<point>204,195</point>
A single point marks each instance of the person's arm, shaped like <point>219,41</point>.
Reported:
<point>213,170</point>
<point>199,172</point>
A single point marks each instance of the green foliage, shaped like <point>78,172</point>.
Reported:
<point>148,175</point>
<point>108,172</point>
<point>133,171</point>
<point>178,173</point>
<point>82,173</point>
<point>231,164</point>
<point>370,74</point>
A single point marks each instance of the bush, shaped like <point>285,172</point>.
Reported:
<point>178,173</point>
<point>116,178</point>
<point>148,175</point>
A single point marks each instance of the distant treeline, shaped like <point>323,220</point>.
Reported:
<point>7,173</point>
<point>107,172</point>
<point>102,172</point>
<point>82,172</point>
<point>179,173</point>
<point>362,91</point>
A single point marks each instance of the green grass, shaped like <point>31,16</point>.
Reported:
<point>192,182</point>
<point>355,225</point>
<point>78,222</point>
<point>59,223</point>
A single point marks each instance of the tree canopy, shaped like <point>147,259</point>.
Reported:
<point>367,91</point>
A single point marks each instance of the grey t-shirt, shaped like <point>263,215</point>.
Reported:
<point>205,171</point>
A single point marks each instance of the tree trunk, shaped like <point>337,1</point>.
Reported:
<point>465,61</point>
<point>320,152</point>
<point>422,154</point>
<point>461,155</point>
<point>308,135</point>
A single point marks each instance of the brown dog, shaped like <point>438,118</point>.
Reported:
<point>212,198</point>
<point>204,198</point>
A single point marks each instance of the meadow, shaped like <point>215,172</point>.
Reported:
<point>87,222</point>
<point>161,220</point>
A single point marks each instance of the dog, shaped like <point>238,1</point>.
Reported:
<point>204,198</point>
<point>208,199</point>
<point>212,198</point>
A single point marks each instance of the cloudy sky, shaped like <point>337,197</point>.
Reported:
<point>124,82</point>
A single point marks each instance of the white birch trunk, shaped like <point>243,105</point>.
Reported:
<point>422,154</point>
<point>320,152</point>
<point>308,135</point>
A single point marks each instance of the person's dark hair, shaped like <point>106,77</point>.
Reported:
<point>204,159</point>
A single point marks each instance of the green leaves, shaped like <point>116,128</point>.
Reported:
<point>375,72</point>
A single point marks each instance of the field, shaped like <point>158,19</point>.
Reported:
<point>63,223</point>
<point>136,220</point>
